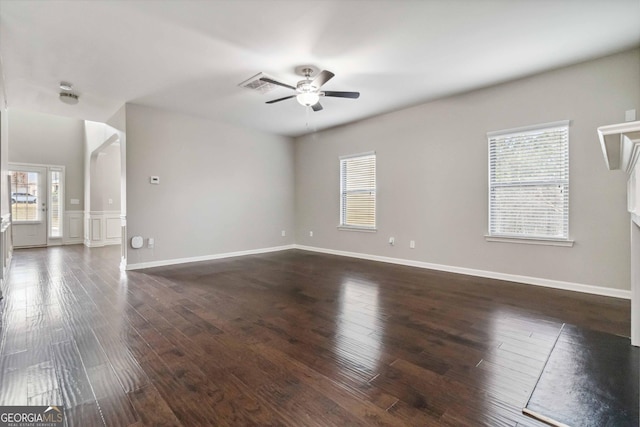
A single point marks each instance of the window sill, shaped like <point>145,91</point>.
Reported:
<point>531,241</point>
<point>26,222</point>
<point>353,228</point>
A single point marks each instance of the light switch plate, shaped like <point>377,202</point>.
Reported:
<point>630,116</point>
<point>154,179</point>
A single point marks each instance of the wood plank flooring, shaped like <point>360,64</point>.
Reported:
<point>290,338</point>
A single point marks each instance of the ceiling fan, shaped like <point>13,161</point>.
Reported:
<point>308,91</point>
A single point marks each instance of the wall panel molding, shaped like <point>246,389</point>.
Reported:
<point>73,227</point>
<point>102,228</point>
<point>6,249</point>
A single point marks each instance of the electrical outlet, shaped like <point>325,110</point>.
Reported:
<point>311,234</point>
<point>412,244</point>
<point>151,242</point>
<point>284,233</point>
<point>392,241</point>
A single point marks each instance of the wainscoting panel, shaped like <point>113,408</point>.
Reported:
<point>6,249</point>
<point>73,230</point>
<point>113,228</point>
<point>102,228</point>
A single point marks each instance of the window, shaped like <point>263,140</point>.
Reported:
<point>529,182</point>
<point>56,199</point>
<point>358,191</point>
<point>24,196</point>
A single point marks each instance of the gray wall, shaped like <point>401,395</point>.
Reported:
<point>432,177</point>
<point>222,188</point>
<point>107,176</point>
<point>50,140</point>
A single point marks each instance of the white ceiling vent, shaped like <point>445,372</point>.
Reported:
<point>254,83</point>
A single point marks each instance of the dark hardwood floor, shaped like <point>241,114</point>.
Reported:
<point>291,338</point>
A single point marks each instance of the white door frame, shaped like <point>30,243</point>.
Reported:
<point>46,184</point>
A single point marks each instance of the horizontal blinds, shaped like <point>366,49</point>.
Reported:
<point>529,183</point>
<point>358,191</point>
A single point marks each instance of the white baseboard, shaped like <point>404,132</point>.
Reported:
<point>536,281</point>
<point>91,244</point>
<point>556,284</point>
<point>175,261</point>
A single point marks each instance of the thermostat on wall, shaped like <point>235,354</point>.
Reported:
<point>137,242</point>
<point>154,179</point>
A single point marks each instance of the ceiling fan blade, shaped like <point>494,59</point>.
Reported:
<point>317,107</point>
<point>280,99</point>
<point>352,95</point>
<point>322,78</point>
<point>275,82</point>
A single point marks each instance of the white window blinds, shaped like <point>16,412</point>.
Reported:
<point>358,191</point>
<point>529,182</point>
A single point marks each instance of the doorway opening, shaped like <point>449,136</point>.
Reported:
<point>37,204</point>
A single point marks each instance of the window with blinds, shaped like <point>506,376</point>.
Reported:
<point>529,182</point>
<point>358,191</point>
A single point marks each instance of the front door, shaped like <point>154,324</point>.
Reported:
<point>29,205</point>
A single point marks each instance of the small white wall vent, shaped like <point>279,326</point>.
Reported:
<point>254,83</point>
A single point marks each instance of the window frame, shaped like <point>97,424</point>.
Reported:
<point>25,168</point>
<point>61,201</point>
<point>351,227</point>
<point>524,238</point>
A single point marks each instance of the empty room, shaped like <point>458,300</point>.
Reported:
<point>319,213</point>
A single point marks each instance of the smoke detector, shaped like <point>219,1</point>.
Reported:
<point>66,95</point>
<point>69,98</point>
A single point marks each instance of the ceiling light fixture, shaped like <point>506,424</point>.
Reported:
<point>308,98</point>
<point>67,96</point>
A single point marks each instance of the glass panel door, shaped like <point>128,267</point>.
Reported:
<point>56,200</point>
<point>24,196</point>
<point>29,200</point>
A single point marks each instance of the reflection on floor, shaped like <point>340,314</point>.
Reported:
<point>590,380</point>
<point>289,338</point>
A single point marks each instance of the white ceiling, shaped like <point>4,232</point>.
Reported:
<point>190,56</point>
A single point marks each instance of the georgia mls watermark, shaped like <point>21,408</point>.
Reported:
<point>31,416</point>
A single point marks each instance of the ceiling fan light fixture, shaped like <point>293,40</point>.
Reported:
<point>308,98</point>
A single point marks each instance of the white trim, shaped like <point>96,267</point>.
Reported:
<point>73,221</point>
<point>350,156</point>
<point>620,145</point>
<point>6,249</point>
<point>518,279</point>
<point>96,228</point>
<point>555,284</point>
<point>161,263</point>
<point>56,240</point>
<point>356,228</point>
<point>525,129</point>
<point>530,240</point>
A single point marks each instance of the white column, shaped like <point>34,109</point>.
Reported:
<point>635,284</point>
